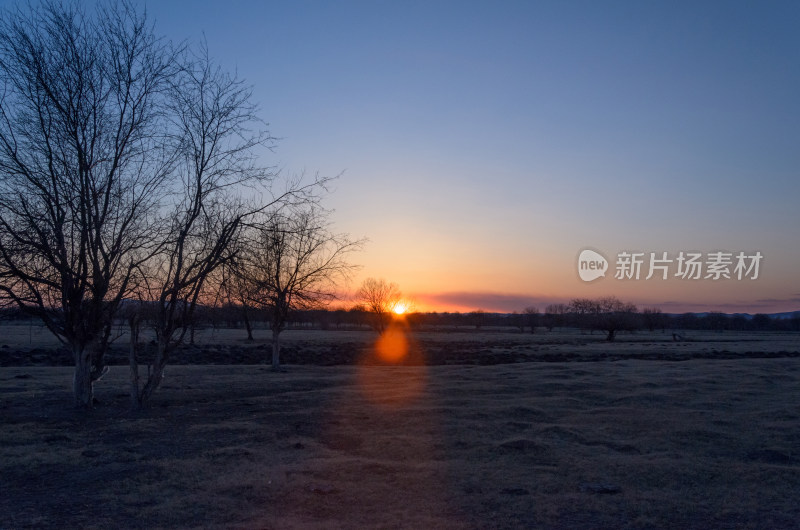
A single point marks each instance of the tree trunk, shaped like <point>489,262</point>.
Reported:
<point>247,324</point>
<point>98,349</point>
<point>82,385</point>
<point>157,373</point>
<point>135,401</point>
<point>276,349</point>
<point>611,335</point>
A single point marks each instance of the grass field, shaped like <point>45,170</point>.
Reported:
<point>628,444</point>
<point>33,344</point>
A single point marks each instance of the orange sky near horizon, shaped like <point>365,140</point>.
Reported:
<point>483,145</point>
<point>451,284</point>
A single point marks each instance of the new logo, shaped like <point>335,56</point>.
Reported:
<point>591,265</point>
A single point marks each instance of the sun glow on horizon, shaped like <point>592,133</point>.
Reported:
<point>400,308</point>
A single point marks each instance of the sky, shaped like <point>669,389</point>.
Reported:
<point>481,146</point>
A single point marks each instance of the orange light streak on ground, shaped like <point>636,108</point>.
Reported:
<point>392,345</point>
<point>389,384</point>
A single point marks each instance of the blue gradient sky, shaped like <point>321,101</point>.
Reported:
<point>484,144</point>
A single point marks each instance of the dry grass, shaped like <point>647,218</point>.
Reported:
<point>34,345</point>
<point>34,335</point>
<point>629,444</point>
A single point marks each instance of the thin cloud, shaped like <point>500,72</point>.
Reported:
<point>764,305</point>
<point>464,301</point>
<point>488,301</point>
<point>778,300</point>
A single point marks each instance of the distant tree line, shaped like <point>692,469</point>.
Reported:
<point>227,315</point>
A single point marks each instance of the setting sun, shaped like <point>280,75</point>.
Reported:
<point>400,308</point>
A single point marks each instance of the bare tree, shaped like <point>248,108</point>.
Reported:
<point>379,298</point>
<point>555,315</point>
<point>652,318</point>
<point>217,131</point>
<point>238,292</point>
<point>517,320</point>
<point>295,261</point>
<point>532,317</point>
<point>478,318</point>
<point>607,314</point>
<point>82,157</point>
<point>127,170</point>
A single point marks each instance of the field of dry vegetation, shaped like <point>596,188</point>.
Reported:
<point>703,433</point>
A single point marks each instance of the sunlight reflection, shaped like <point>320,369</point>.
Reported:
<point>392,346</point>
<point>392,386</point>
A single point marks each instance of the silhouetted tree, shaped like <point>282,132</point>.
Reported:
<point>216,133</point>
<point>359,316</point>
<point>294,261</point>
<point>478,318</point>
<point>517,320</point>
<point>84,162</point>
<point>555,316</point>
<point>607,314</point>
<point>236,290</point>
<point>379,298</point>
<point>652,317</point>
<point>687,321</point>
<point>532,317</point>
<point>738,323</point>
<point>761,322</point>
<point>123,167</point>
<point>716,321</point>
